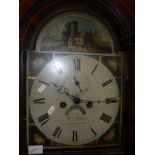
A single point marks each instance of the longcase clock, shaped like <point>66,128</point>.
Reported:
<point>76,79</point>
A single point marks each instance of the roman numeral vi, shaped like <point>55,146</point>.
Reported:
<point>74,136</point>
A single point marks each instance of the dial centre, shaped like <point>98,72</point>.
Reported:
<point>77,83</point>
<point>76,100</point>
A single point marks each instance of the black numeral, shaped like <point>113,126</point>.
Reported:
<point>106,83</point>
<point>106,118</point>
<point>39,101</point>
<point>57,132</point>
<point>93,131</point>
<point>59,70</point>
<point>110,100</point>
<point>94,69</point>
<point>43,119</point>
<point>74,136</point>
<point>77,64</point>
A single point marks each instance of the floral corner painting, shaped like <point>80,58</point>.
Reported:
<point>75,32</point>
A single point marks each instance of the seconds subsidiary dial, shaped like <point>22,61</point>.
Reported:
<point>74,100</point>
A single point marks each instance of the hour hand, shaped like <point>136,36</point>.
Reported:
<point>77,83</point>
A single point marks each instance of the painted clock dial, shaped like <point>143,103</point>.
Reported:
<point>74,100</point>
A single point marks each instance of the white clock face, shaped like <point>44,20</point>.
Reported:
<point>74,100</point>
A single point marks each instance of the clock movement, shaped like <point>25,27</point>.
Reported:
<point>74,76</point>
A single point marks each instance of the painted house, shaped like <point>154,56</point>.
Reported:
<point>77,39</point>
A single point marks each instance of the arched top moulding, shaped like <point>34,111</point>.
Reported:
<point>99,21</point>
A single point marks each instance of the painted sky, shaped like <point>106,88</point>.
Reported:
<point>52,31</point>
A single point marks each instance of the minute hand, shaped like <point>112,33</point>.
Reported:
<point>107,101</point>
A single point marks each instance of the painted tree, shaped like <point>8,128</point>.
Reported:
<point>66,32</point>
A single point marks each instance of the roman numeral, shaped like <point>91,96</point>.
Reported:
<point>59,70</point>
<point>39,101</point>
<point>106,83</point>
<point>110,100</point>
<point>74,136</point>
<point>77,64</point>
<point>44,118</point>
<point>94,69</point>
<point>44,83</point>
<point>57,132</point>
<point>106,118</point>
<point>93,131</point>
